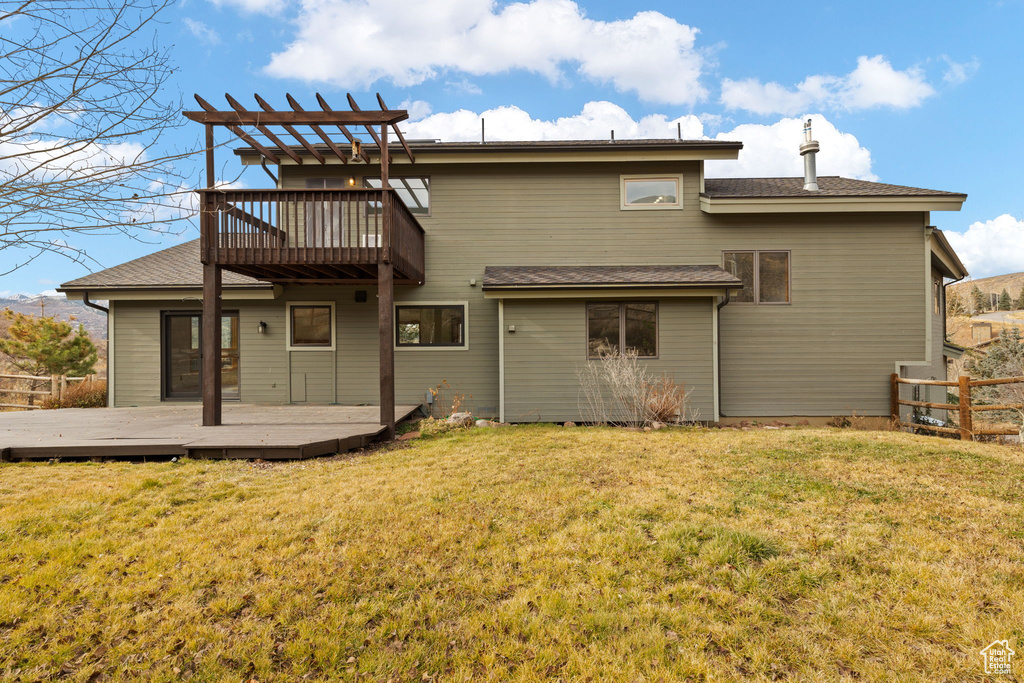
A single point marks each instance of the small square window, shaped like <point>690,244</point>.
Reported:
<point>650,192</point>
<point>310,326</point>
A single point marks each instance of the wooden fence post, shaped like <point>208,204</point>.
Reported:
<point>63,386</point>
<point>54,386</point>
<point>966,423</point>
<point>894,397</point>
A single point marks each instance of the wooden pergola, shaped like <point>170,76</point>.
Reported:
<point>258,246</point>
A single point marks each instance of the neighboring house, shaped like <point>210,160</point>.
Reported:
<point>516,263</point>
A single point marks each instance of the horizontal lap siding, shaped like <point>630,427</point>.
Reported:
<point>858,288</point>
<point>137,348</point>
<point>549,346</point>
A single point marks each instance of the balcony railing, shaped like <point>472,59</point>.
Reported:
<point>312,235</point>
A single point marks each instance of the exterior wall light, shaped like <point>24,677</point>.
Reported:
<point>261,328</point>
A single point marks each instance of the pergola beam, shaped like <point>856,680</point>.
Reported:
<point>319,131</point>
<point>286,149</point>
<point>344,131</point>
<point>398,133</point>
<point>291,131</point>
<point>296,118</point>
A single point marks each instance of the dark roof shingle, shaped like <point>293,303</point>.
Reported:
<point>177,266</point>
<point>828,186</point>
<point>514,277</point>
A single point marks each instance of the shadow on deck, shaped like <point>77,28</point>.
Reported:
<point>248,431</point>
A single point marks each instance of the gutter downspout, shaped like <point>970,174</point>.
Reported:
<point>718,331</point>
<point>944,309</point>
<point>85,300</point>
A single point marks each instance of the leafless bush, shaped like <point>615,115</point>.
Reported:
<point>619,389</point>
<point>80,395</point>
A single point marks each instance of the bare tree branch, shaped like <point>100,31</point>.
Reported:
<point>82,116</point>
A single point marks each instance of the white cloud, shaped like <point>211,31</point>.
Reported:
<point>355,43</point>
<point>957,72</point>
<point>772,150</point>
<point>509,122</point>
<point>463,87</point>
<point>252,6</point>
<point>992,247</point>
<point>418,109</point>
<point>874,83</point>
<point>201,31</point>
<point>768,150</point>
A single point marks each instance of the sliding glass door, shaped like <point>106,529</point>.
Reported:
<point>182,367</point>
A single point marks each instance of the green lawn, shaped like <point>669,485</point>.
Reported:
<point>522,553</point>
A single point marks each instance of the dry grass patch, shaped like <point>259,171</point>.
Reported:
<point>524,553</point>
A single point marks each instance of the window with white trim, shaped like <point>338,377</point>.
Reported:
<point>420,326</point>
<point>650,192</point>
<point>311,326</point>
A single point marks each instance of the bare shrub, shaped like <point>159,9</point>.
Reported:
<point>80,395</point>
<point>618,389</point>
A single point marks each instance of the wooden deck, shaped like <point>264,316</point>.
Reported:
<point>248,431</point>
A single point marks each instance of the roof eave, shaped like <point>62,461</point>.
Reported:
<point>830,203</point>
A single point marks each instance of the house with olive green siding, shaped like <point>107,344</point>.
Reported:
<point>515,264</point>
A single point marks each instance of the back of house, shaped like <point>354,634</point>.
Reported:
<point>765,297</point>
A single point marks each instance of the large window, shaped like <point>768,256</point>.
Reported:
<point>310,326</point>
<point>414,191</point>
<point>431,326</point>
<point>650,192</point>
<point>765,276</point>
<point>630,325</point>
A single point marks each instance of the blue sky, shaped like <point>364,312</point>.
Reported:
<point>926,94</point>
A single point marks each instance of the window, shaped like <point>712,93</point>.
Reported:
<point>311,326</point>
<point>630,325</point>
<point>765,276</point>
<point>650,192</point>
<point>414,191</point>
<point>431,326</point>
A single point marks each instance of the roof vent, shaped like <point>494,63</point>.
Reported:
<point>808,150</point>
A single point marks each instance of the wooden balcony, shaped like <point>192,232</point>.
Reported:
<point>337,236</point>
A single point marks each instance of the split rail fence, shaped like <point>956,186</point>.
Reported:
<point>55,386</point>
<point>965,408</point>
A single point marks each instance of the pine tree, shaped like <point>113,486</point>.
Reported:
<point>955,305</point>
<point>1019,304</point>
<point>979,299</point>
<point>46,346</point>
<point>1005,302</point>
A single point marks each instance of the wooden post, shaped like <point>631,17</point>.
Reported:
<point>210,345</point>
<point>54,387</point>
<point>894,397</point>
<point>63,386</point>
<point>386,298</point>
<point>386,313</point>
<point>966,421</point>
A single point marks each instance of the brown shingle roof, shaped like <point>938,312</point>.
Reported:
<point>828,186</point>
<point>176,267</point>
<point>517,277</point>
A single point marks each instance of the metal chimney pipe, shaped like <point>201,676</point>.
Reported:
<point>808,150</point>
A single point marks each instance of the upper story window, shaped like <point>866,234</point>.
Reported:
<point>630,325</point>
<point>650,192</point>
<point>431,326</point>
<point>765,275</point>
<point>414,191</point>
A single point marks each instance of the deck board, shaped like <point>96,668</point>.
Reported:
<point>248,431</point>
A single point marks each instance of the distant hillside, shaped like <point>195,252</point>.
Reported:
<point>1011,282</point>
<point>94,321</point>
